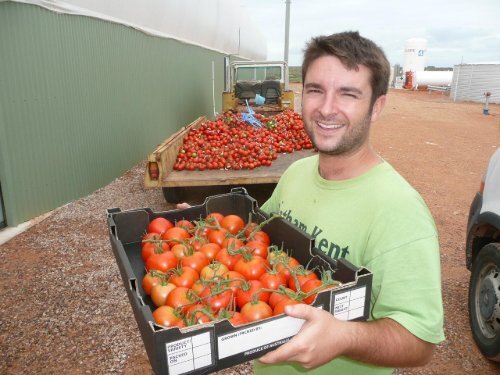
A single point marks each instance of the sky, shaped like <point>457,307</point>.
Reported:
<point>456,31</point>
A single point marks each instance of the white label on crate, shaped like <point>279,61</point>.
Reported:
<point>189,354</point>
<point>350,304</point>
<point>259,337</point>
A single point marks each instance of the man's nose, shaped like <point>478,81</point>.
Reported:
<point>329,105</point>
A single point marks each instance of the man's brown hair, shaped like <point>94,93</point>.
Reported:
<point>352,50</point>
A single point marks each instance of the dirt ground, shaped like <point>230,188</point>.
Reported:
<point>64,308</point>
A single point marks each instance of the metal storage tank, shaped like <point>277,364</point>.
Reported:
<point>435,78</point>
<point>471,81</point>
<point>415,54</point>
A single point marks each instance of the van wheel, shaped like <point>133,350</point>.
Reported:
<point>484,301</point>
<point>174,194</point>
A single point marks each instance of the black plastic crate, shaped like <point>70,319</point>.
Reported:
<point>214,346</point>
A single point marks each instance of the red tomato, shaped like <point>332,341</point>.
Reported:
<point>150,248</point>
<point>301,276</point>
<point>180,250</point>
<point>197,261</point>
<point>227,258</point>
<point>279,308</point>
<point>210,250</point>
<point>216,299</point>
<point>260,236</point>
<point>237,319</point>
<point>217,236</point>
<point>309,286</point>
<point>280,295</point>
<point>233,280</point>
<point>149,280</point>
<point>258,248</point>
<point>160,292</point>
<point>159,225</point>
<point>232,243</point>
<point>249,290</point>
<point>213,270</point>
<point>233,223</point>
<point>184,276</point>
<point>198,314</point>
<point>254,311</point>
<point>161,262</point>
<point>175,233</point>
<point>214,216</point>
<point>150,236</point>
<point>186,224</point>
<point>251,268</point>
<point>168,317</point>
<point>272,280</point>
<point>180,298</point>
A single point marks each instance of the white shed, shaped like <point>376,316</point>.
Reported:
<point>471,81</point>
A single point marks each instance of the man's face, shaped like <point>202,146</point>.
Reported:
<point>336,106</point>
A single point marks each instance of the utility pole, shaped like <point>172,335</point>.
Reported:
<point>287,29</point>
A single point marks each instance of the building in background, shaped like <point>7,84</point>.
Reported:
<point>471,82</point>
<point>90,87</point>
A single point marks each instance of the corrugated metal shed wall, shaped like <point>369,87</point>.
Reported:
<point>471,81</point>
<point>83,100</point>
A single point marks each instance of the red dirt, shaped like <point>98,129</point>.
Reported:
<point>64,308</point>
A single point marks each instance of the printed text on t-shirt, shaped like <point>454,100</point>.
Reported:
<point>325,245</point>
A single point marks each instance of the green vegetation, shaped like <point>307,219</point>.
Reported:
<point>295,74</point>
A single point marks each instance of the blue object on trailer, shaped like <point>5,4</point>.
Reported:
<point>248,117</point>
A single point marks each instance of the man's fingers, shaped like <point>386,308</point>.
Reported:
<point>183,205</point>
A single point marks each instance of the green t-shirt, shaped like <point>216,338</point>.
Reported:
<point>378,221</point>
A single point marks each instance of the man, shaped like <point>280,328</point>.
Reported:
<point>363,210</point>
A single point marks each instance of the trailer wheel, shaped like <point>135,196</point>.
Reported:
<point>174,194</point>
<point>484,301</point>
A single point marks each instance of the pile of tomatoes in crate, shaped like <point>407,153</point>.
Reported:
<point>221,267</point>
<point>228,142</point>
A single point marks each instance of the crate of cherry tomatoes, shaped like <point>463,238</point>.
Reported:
<point>208,284</point>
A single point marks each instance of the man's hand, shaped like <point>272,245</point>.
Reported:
<point>322,338</point>
<point>183,205</point>
<point>319,341</point>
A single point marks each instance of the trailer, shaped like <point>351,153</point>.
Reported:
<point>160,171</point>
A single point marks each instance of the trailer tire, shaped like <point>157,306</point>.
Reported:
<point>174,194</point>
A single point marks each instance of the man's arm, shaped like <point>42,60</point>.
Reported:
<point>383,342</point>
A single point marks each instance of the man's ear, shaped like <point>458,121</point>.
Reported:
<point>378,106</point>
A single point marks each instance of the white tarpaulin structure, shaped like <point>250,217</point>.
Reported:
<point>220,25</point>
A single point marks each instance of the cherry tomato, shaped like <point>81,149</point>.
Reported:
<point>150,248</point>
<point>161,262</point>
<point>149,280</point>
<point>180,298</point>
<point>160,292</point>
<point>217,236</point>
<point>252,289</point>
<point>258,248</point>
<point>168,317</point>
<point>184,276</point>
<point>224,256</point>
<point>210,250</point>
<point>276,297</point>
<point>301,276</point>
<point>186,224</point>
<point>196,260</point>
<point>258,310</point>
<point>272,279</point>
<point>159,225</point>
<point>233,223</point>
<point>252,267</point>
<point>279,308</point>
<point>213,270</point>
<point>175,233</point>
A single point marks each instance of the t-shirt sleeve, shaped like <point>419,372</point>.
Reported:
<point>407,288</point>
